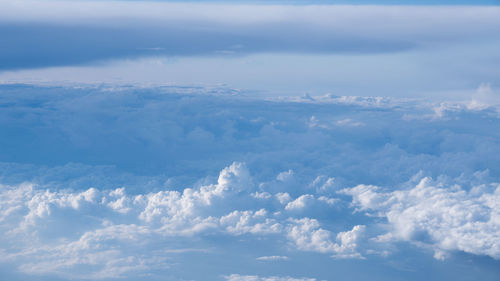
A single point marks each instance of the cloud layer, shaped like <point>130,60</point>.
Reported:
<point>169,183</point>
<point>69,33</point>
<point>109,233</point>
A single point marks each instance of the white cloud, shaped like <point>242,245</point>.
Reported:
<point>180,213</point>
<point>40,205</point>
<point>307,235</point>
<point>446,218</point>
<point>349,122</point>
<point>106,244</point>
<point>272,258</point>
<point>122,202</point>
<point>134,222</point>
<point>300,203</point>
<point>110,233</point>
<point>283,197</point>
<point>237,277</point>
<point>235,177</point>
<point>100,249</point>
<point>261,195</point>
<point>323,184</point>
<point>328,200</point>
<point>241,222</point>
<point>285,176</point>
<point>307,200</point>
<point>484,97</point>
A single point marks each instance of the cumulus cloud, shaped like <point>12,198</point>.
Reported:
<point>285,176</point>
<point>307,235</point>
<point>256,222</point>
<point>446,218</point>
<point>101,249</point>
<point>131,190</point>
<point>305,201</point>
<point>300,203</point>
<point>261,195</point>
<point>283,197</point>
<point>26,210</point>
<point>65,232</point>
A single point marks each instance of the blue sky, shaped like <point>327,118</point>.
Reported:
<point>272,141</point>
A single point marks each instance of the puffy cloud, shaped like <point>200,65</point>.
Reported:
<point>447,218</point>
<point>101,249</point>
<point>307,235</point>
<point>305,201</point>
<point>92,235</point>
<point>285,176</point>
<point>102,234</point>
<point>239,222</point>
<point>283,197</point>
<point>41,204</point>
<point>323,184</point>
<point>300,203</point>
<point>235,177</point>
<point>165,192</point>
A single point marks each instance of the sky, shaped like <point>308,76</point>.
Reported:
<point>401,51</point>
<point>249,140</point>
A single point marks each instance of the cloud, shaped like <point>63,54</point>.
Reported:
<point>300,203</point>
<point>256,222</point>
<point>285,176</point>
<point>110,182</point>
<point>283,197</point>
<point>272,258</point>
<point>82,32</point>
<point>101,249</point>
<point>484,97</point>
<point>237,277</point>
<point>305,201</point>
<point>261,195</point>
<point>307,235</point>
<point>99,234</point>
<point>446,218</point>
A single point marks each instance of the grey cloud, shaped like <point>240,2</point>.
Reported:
<point>44,45</point>
<point>83,33</point>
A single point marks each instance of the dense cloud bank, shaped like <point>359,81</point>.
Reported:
<point>147,183</point>
<point>79,32</point>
